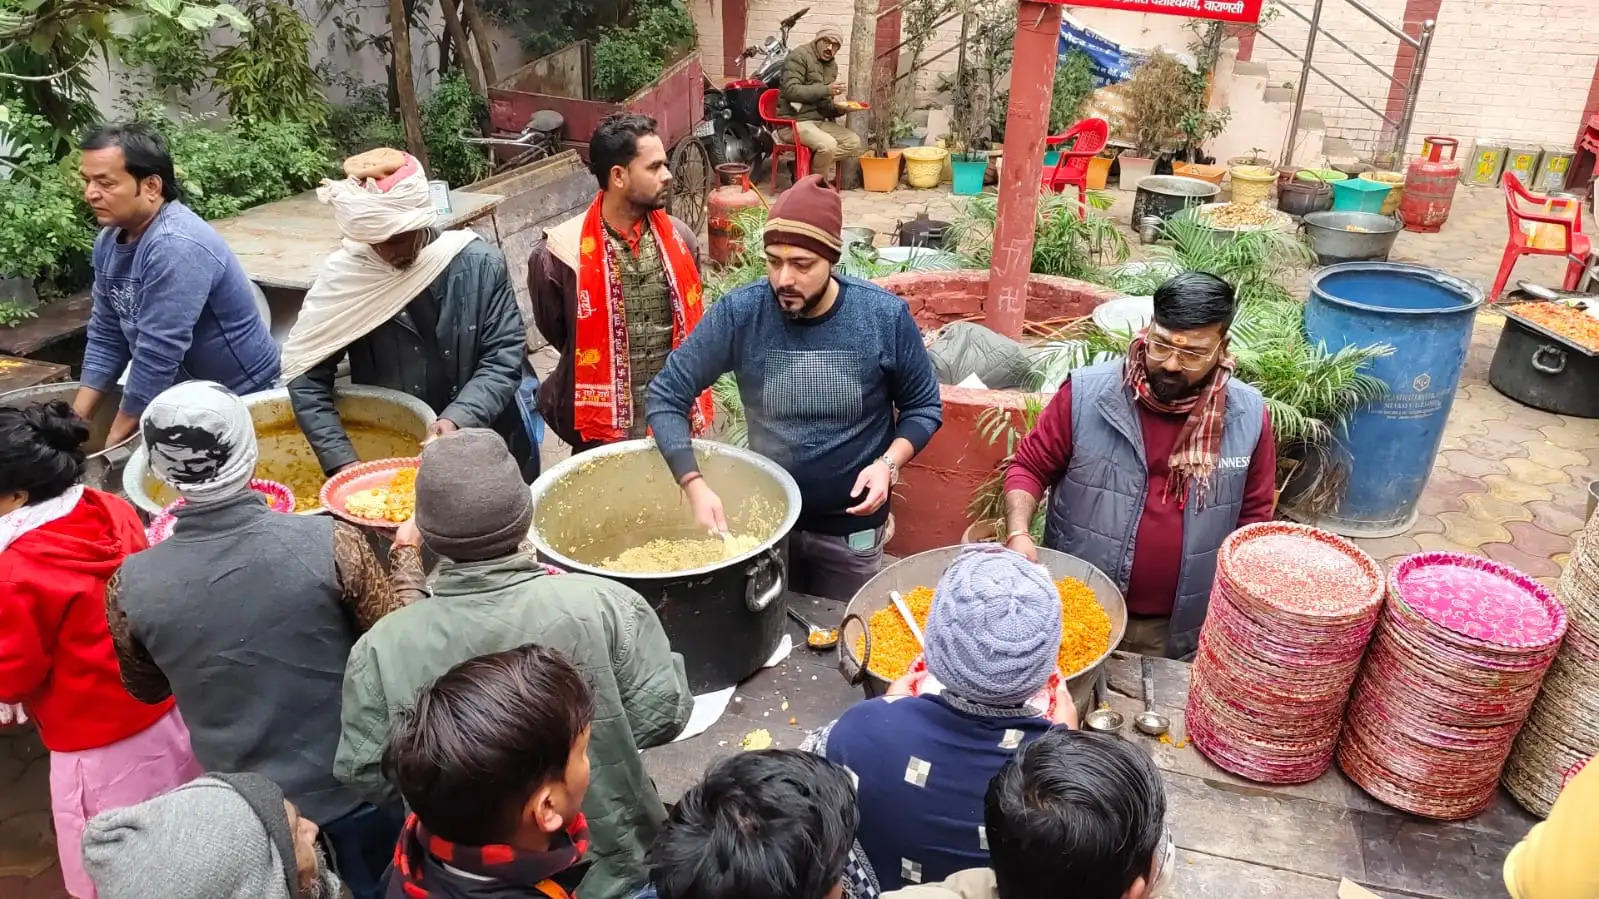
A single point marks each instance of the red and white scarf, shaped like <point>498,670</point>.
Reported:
<point>1198,447</point>
<point>603,407</point>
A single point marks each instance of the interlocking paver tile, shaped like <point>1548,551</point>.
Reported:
<point>1464,463</point>
<point>1556,518</point>
<point>1568,437</point>
<point>1546,453</point>
<point>1446,492</point>
<point>1471,530</point>
<point>1488,507</point>
<point>1527,471</point>
<point>1535,541</point>
<point>1387,550</point>
<point>1437,542</point>
<point>1427,524</point>
<point>1515,491</point>
<point>1530,565</point>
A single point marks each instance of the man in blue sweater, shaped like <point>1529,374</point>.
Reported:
<point>169,296</point>
<point>835,382</point>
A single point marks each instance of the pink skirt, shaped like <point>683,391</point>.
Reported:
<point>85,783</point>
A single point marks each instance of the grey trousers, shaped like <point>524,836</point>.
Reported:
<point>827,566</point>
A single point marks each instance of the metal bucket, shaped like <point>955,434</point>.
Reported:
<point>1163,196</point>
<point>103,468</point>
<point>925,568</point>
<point>726,619</point>
<point>287,451</point>
<point>1426,316</point>
<point>1333,242</point>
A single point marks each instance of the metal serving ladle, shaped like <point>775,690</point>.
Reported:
<point>1150,721</point>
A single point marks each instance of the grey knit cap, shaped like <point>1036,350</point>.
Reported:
<point>216,837</point>
<point>993,634</point>
<point>471,502</point>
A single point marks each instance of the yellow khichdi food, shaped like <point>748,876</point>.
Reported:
<point>394,501</point>
<point>1084,631</point>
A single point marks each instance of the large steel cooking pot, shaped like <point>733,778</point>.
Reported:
<point>1163,196</point>
<point>726,619</point>
<point>925,568</point>
<point>1332,240</point>
<point>270,412</point>
<point>103,469</point>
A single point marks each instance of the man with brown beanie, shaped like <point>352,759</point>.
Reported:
<point>488,596</point>
<point>835,382</point>
<point>807,91</point>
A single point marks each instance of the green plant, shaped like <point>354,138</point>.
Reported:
<point>267,75</point>
<point>172,57</point>
<point>1063,243</point>
<point>451,109</point>
<point>1158,96</point>
<point>224,171</point>
<point>45,232</point>
<point>628,59</point>
<point>12,314</point>
<point>998,424</point>
<point>1074,84</point>
<point>365,122</point>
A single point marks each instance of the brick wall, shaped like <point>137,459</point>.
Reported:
<point>1498,68</point>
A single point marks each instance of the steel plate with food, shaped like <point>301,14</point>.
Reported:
<point>379,494</point>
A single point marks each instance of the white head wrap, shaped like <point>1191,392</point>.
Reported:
<point>368,215</point>
<point>200,441</point>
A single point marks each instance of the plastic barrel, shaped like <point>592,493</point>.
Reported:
<point>1389,446</point>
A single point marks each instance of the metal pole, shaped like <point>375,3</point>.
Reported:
<point>1299,92</point>
<point>1416,73</point>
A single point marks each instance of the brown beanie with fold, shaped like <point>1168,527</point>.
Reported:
<point>809,215</point>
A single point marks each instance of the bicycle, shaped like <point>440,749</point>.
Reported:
<point>539,138</point>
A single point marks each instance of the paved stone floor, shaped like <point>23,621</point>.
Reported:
<point>1509,481</point>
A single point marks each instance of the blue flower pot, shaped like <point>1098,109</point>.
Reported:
<point>968,176</point>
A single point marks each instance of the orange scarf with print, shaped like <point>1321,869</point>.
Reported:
<point>603,401</point>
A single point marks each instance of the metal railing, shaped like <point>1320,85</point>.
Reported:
<point>1421,45</point>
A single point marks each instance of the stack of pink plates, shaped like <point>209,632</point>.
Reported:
<point>1453,671</point>
<point>1290,614</point>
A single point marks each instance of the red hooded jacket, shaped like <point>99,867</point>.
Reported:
<point>55,650</point>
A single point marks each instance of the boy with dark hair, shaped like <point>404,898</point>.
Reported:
<point>493,763</point>
<point>777,824</point>
<point>635,269</point>
<point>1073,814</point>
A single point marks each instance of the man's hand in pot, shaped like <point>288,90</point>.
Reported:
<point>705,505</point>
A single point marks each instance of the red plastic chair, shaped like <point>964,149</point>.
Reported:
<point>1088,137</point>
<point>1575,245</point>
<point>802,153</point>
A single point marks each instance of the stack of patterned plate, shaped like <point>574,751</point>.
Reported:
<point>1453,670</point>
<point>1563,731</point>
<point>1290,615</point>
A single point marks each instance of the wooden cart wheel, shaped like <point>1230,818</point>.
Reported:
<point>691,183</point>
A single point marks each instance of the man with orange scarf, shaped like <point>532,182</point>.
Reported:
<point>1150,463</point>
<point>615,289</point>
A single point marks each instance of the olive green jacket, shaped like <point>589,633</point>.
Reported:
<point>641,695</point>
<point>803,93</point>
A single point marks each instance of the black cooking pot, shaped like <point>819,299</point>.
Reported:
<point>726,619</point>
<point>1544,370</point>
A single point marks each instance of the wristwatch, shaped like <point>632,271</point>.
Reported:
<point>893,470</point>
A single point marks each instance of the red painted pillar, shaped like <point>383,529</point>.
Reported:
<point>1026,126</point>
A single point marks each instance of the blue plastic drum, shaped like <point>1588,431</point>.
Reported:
<point>1426,316</point>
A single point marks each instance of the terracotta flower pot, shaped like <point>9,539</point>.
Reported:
<point>881,173</point>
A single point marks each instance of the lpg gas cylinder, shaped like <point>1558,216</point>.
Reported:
<point>733,195</point>
<point>1430,185</point>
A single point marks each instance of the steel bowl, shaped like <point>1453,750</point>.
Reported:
<point>1332,241</point>
<point>726,618</point>
<point>924,570</point>
<point>270,412</point>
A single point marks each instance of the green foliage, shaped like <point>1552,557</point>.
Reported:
<point>629,58</point>
<point>267,75</point>
<point>1063,244</point>
<point>224,171</point>
<point>545,26</point>
<point>451,109</point>
<point>12,314</point>
<point>998,424</point>
<point>1259,264</point>
<point>1158,96</point>
<point>174,57</point>
<point>1074,84</point>
<point>365,122</point>
<point>45,231</point>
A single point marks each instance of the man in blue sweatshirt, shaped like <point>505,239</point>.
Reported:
<point>169,296</point>
<point>835,382</point>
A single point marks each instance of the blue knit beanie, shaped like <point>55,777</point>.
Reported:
<point>993,634</point>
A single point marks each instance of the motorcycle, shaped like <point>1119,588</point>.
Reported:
<point>733,129</point>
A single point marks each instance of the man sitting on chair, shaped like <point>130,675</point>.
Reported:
<point>807,89</point>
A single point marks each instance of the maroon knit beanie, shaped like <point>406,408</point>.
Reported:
<point>808,215</point>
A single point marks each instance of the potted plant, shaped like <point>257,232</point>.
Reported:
<point>1158,96</point>
<point>880,168</point>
